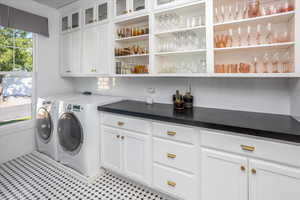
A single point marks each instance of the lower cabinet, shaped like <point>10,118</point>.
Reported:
<point>273,181</point>
<point>228,176</point>
<point>126,153</point>
<point>218,166</point>
<point>224,176</point>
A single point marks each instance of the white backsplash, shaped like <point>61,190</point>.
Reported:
<point>257,95</point>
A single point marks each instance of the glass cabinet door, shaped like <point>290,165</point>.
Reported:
<point>75,20</point>
<point>121,7</point>
<point>65,23</point>
<point>89,14</point>
<point>139,5</point>
<point>102,12</point>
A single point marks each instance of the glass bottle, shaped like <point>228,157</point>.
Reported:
<point>254,65</point>
<point>269,37</point>
<point>265,63</point>
<point>239,36</point>
<point>249,35</point>
<point>258,35</point>
<point>275,62</point>
<point>287,63</point>
<point>230,38</point>
<point>223,13</point>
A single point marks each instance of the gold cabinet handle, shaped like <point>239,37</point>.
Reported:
<point>247,148</point>
<point>253,171</point>
<point>171,183</point>
<point>171,133</point>
<point>243,168</point>
<point>121,123</point>
<point>170,155</point>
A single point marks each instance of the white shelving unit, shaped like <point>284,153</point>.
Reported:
<point>179,61</point>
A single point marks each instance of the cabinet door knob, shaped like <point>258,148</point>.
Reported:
<point>171,183</point>
<point>68,71</point>
<point>170,155</point>
<point>243,168</point>
<point>118,136</point>
<point>171,133</point>
<point>122,137</point>
<point>247,148</point>
<point>253,171</point>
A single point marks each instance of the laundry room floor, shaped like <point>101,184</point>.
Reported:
<point>33,178</point>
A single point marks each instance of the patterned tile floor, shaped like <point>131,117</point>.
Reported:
<point>31,178</point>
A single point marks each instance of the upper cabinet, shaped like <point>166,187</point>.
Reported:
<point>96,13</point>
<point>129,7</point>
<point>70,21</point>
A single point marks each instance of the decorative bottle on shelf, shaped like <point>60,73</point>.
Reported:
<point>178,101</point>
<point>188,99</point>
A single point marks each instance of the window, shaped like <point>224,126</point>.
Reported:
<point>16,49</point>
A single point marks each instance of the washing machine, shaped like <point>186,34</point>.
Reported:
<point>79,134</point>
<point>46,123</point>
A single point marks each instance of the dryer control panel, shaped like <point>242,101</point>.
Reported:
<point>74,108</point>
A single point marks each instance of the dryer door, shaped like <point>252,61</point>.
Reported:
<point>44,125</point>
<point>70,133</point>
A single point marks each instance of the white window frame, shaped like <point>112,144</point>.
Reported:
<point>28,124</point>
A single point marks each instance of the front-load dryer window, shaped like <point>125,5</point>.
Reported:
<point>44,125</point>
<point>70,133</point>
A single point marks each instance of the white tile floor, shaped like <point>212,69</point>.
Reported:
<point>31,178</point>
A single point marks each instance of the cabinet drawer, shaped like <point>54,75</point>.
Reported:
<point>174,183</point>
<point>178,133</point>
<point>259,148</point>
<point>125,122</point>
<point>174,154</point>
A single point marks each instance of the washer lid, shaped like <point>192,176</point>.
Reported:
<point>70,133</point>
<point>44,125</point>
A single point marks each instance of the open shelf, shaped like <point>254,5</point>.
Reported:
<point>132,56</point>
<point>179,30</point>
<point>280,17</point>
<point>190,52</point>
<point>183,6</point>
<point>262,47</point>
<point>134,38</point>
<point>214,75</point>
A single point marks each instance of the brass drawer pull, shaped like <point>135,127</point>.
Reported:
<point>253,171</point>
<point>170,155</point>
<point>171,183</point>
<point>121,123</point>
<point>171,133</point>
<point>247,148</point>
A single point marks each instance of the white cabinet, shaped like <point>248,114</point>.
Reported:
<point>125,152</point>
<point>273,181</point>
<point>227,174</point>
<point>224,176</point>
<point>129,7</point>
<point>94,14</point>
<point>111,149</point>
<point>135,148</point>
<point>70,21</point>
<point>70,53</point>
<point>96,50</point>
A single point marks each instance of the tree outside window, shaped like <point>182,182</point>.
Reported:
<point>15,74</point>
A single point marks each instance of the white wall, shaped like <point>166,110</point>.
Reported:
<point>48,81</point>
<point>257,95</point>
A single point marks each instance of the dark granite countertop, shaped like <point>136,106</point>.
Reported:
<point>282,127</point>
